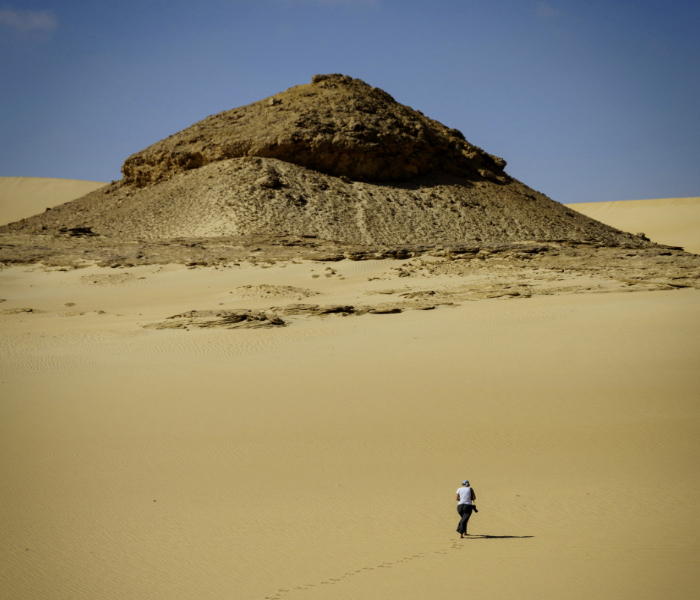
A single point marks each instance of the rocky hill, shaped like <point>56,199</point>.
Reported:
<point>337,159</point>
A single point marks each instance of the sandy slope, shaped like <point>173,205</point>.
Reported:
<point>673,221</point>
<point>320,460</point>
<point>247,196</point>
<point>22,197</point>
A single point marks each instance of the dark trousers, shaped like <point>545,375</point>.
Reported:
<point>465,511</point>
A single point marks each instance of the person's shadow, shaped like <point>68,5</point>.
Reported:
<point>483,536</point>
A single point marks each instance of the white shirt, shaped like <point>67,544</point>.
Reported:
<point>465,495</point>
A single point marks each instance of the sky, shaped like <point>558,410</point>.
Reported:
<point>587,101</point>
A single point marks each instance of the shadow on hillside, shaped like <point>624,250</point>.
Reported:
<point>430,180</point>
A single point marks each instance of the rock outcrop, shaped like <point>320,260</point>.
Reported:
<point>336,159</point>
<point>336,125</point>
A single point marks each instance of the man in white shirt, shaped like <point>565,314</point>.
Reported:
<point>465,499</point>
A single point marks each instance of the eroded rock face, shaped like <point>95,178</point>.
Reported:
<point>336,125</point>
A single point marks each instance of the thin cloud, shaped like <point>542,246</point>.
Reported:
<point>30,22</point>
<point>546,11</point>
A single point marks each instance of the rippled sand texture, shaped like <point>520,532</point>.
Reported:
<point>320,460</point>
<point>22,197</point>
<point>673,221</point>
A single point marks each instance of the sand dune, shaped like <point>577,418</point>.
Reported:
<point>22,197</point>
<point>673,221</point>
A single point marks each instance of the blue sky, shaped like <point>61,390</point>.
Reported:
<point>587,101</point>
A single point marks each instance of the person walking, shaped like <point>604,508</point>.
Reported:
<point>465,505</point>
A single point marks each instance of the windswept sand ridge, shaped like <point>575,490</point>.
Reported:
<point>673,221</point>
<point>22,197</point>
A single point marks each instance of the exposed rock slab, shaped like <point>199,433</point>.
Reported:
<point>252,319</point>
<point>222,319</point>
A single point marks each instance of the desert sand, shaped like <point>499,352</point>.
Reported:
<point>320,459</point>
<point>22,197</point>
<point>673,221</point>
